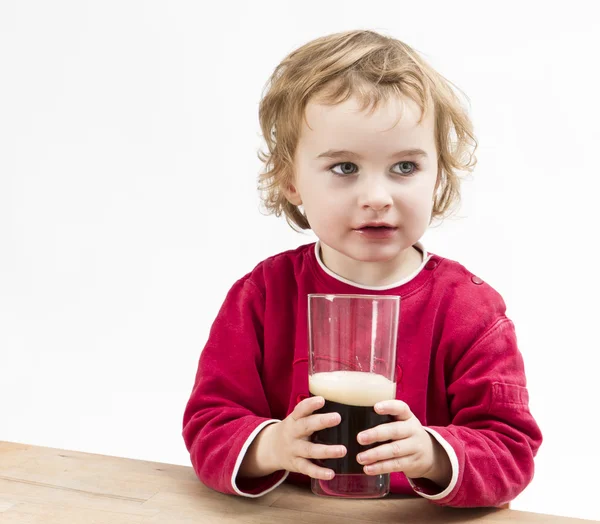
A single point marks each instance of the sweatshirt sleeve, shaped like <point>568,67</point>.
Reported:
<point>493,437</point>
<point>228,408</point>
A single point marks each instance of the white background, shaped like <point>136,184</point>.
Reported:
<point>128,139</point>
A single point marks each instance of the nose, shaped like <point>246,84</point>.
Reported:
<point>375,195</point>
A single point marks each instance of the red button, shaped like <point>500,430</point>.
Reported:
<point>432,264</point>
<point>476,280</point>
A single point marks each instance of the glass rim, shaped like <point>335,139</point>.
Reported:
<point>330,296</point>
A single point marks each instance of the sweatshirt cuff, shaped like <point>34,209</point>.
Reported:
<point>255,487</point>
<point>429,490</point>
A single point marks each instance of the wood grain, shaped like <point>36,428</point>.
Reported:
<point>52,486</point>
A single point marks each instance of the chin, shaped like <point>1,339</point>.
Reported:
<point>375,253</point>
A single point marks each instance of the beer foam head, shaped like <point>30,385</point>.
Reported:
<point>354,388</point>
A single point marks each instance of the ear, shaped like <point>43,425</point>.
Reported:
<point>293,196</point>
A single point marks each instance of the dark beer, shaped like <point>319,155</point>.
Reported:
<point>352,395</point>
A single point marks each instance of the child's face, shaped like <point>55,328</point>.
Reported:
<point>371,181</point>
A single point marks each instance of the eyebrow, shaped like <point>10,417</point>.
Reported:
<point>333,153</point>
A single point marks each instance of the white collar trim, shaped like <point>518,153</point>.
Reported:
<point>418,245</point>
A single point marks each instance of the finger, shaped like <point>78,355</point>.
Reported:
<point>389,466</point>
<point>302,465</point>
<point>307,407</point>
<point>308,425</point>
<point>396,408</point>
<point>385,432</point>
<point>396,449</point>
<point>307,449</point>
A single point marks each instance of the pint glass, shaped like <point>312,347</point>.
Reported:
<point>352,365</point>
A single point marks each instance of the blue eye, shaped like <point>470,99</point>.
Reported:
<point>348,168</point>
<point>407,168</point>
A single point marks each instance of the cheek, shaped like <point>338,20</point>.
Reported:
<point>323,204</point>
<point>418,203</point>
<point>326,215</point>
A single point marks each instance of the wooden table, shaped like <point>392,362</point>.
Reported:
<point>51,486</point>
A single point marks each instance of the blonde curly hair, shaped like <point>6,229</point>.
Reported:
<point>372,67</point>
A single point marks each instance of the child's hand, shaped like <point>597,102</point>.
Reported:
<point>289,440</point>
<point>412,450</point>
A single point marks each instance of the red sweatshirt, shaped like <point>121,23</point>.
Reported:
<point>458,368</point>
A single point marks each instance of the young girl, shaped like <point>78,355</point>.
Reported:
<point>365,143</point>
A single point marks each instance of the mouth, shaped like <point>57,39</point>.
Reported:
<point>376,231</point>
<point>376,227</point>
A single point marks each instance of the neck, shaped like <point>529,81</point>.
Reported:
<point>372,274</point>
